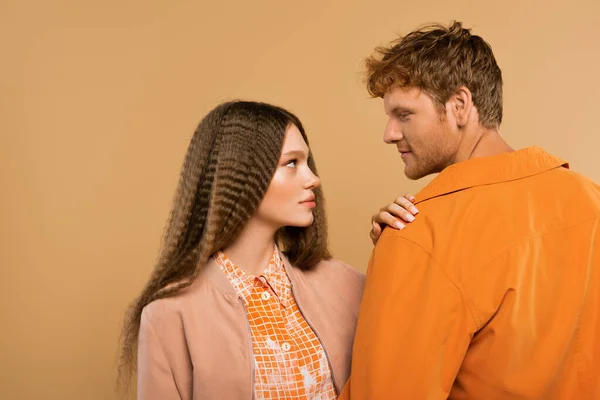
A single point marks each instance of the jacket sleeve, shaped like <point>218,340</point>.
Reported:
<point>413,330</point>
<point>155,377</point>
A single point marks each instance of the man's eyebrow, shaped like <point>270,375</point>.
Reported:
<point>400,109</point>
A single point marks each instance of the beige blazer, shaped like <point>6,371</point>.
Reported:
<point>197,345</point>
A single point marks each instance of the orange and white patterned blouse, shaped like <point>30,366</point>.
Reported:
<point>289,360</point>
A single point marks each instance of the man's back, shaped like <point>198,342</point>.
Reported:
<point>493,293</point>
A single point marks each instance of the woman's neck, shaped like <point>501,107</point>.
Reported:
<point>253,248</point>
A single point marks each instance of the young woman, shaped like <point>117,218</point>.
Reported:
<point>245,301</point>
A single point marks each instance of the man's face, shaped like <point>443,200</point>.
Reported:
<point>426,139</point>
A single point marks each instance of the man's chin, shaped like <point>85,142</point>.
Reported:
<point>414,174</point>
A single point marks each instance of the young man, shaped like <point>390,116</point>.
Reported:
<point>494,292</point>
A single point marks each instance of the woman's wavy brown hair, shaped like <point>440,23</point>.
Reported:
<point>229,165</point>
<point>440,59</point>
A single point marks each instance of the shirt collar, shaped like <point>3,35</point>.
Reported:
<point>277,278</point>
<point>489,170</point>
<point>274,275</point>
<point>242,282</point>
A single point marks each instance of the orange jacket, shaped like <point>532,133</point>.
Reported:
<point>492,293</point>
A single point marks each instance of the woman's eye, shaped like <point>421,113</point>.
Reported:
<point>291,164</point>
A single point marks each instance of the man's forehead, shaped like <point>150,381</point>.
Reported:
<point>399,97</point>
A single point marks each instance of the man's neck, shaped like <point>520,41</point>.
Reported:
<point>481,142</point>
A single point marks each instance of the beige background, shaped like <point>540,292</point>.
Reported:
<point>98,100</point>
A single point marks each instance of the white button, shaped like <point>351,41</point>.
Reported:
<point>285,346</point>
<point>266,296</point>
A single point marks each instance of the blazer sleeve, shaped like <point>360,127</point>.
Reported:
<point>155,376</point>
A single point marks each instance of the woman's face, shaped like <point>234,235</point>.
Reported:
<point>290,200</point>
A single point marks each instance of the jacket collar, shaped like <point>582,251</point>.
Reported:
<point>210,272</point>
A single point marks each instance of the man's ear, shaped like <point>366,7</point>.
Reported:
<point>460,105</point>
